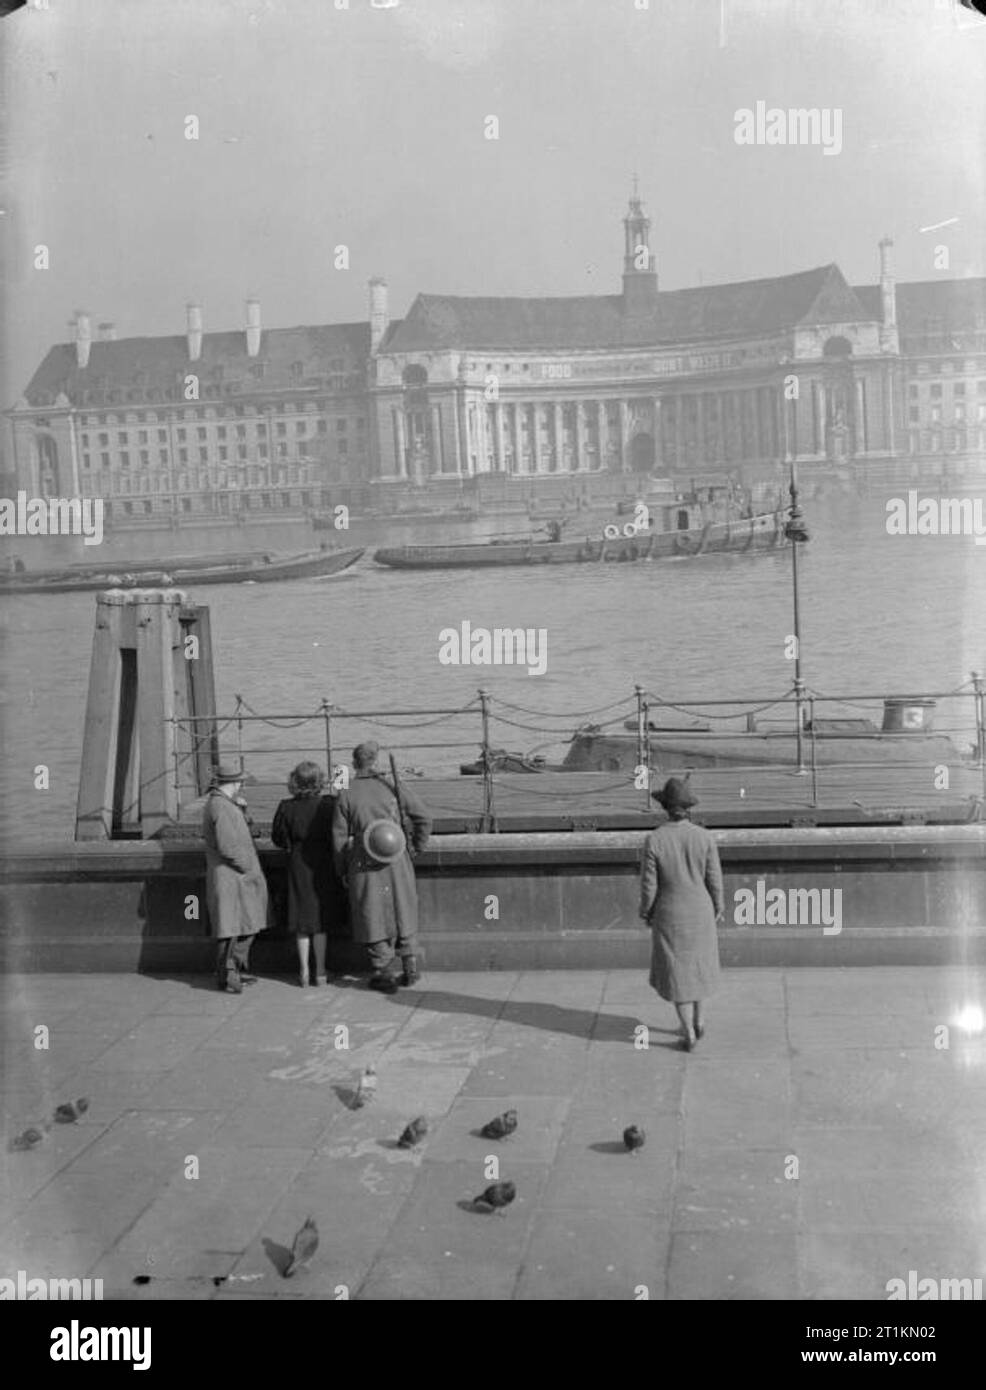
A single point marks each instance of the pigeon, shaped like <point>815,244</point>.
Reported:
<point>366,1088</point>
<point>414,1133</point>
<point>501,1127</point>
<point>497,1196</point>
<point>304,1247</point>
<point>68,1113</point>
<point>634,1138</point>
<point>28,1140</point>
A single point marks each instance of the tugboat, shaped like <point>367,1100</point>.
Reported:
<point>697,523</point>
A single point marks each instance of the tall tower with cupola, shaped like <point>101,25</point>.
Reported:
<point>639,264</point>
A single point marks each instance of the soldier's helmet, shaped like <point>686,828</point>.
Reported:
<point>384,841</point>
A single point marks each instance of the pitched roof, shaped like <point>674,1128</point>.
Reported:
<point>744,309</point>
<point>932,306</point>
<point>150,367</point>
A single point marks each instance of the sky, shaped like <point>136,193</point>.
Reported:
<point>323,123</point>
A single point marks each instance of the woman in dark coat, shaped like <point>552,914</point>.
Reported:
<point>303,826</point>
<point>681,899</point>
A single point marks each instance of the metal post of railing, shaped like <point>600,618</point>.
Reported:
<point>642,740</point>
<point>979,685</point>
<point>327,717</point>
<point>814,751</point>
<point>487,822</point>
<point>239,730</point>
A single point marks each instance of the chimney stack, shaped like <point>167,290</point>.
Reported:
<point>107,332</point>
<point>378,312</point>
<point>83,340</point>
<point>888,292</point>
<point>193,324</point>
<point>253,327</point>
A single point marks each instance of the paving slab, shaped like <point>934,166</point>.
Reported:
<point>842,1070</point>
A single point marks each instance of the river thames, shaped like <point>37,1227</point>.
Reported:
<point>880,614</point>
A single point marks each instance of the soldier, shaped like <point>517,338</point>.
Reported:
<point>236,889</point>
<point>371,854</point>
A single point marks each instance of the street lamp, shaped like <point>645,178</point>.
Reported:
<point>796,533</point>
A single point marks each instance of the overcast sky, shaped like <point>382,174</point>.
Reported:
<point>365,126</point>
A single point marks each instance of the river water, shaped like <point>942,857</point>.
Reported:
<point>879,613</point>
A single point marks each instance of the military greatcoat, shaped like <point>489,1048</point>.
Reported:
<point>383,899</point>
<point>681,895</point>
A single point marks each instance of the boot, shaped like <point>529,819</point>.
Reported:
<point>411,972</point>
<point>384,982</point>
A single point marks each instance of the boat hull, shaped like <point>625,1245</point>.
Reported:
<point>315,564</point>
<point>757,533</point>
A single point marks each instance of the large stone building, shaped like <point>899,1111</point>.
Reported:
<point>740,377</point>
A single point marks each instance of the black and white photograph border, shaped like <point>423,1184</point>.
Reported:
<point>498,811</point>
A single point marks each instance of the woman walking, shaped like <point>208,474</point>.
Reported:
<point>681,900</point>
<point>303,826</point>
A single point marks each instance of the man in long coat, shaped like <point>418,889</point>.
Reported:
<point>236,890</point>
<point>383,898</point>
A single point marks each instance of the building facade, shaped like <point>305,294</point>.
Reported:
<point>742,377</point>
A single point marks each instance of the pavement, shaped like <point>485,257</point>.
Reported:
<point>827,1135</point>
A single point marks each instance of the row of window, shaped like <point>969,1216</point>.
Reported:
<point>152,417</point>
<point>123,437</point>
<point>958,414</point>
<point>958,388</point>
<point>222,453</point>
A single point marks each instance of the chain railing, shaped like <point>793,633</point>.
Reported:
<point>745,749</point>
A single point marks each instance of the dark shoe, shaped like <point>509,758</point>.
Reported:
<point>700,1030</point>
<point>233,985</point>
<point>411,972</point>
<point>247,979</point>
<point>383,982</point>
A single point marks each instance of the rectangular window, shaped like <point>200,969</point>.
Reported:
<point>182,455</point>
<point>221,432</point>
<point>86,461</point>
<point>124,459</point>
<point>104,460</point>
<point>201,432</point>
<point>282,451</point>
<point>914,414</point>
<point>241,431</point>
<point>343,447</point>
<point>121,436</point>
<point>282,428</point>
<point>262,450</point>
<point>162,456</point>
<point>341,426</point>
<point>181,435</point>
<point>223,453</point>
<point>936,390</point>
<point>299,427</point>
<point>241,451</point>
<point>104,439</point>
<point>85,441</point>
<point>142,437</point>
<point>323,427</point>
<point>958,388</point>
<point>162,436</point>
<point>203,456</point>
<point>261,429</point>
<point>145,457</point>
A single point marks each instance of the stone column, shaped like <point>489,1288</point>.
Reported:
<point>499,453</point>
<point>559,434</point>
<point>601,434</point>
<point>399,441</point>
<point>458,434</point>
<point>624,435</point>
<point>536,436</point>
<point>518,442</point>
<point>437,450</point>
<point>578,447</point>
<point>679,432</point>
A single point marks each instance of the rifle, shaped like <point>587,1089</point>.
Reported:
<point>406,826</point>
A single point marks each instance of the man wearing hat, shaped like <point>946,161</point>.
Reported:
<point>236,890</point>
<point>681,900</point>
<point>371,854</point>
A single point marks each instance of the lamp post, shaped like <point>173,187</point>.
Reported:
<point>796,533</point>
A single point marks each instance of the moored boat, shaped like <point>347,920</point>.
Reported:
<point>735,535</point>
<point>265,568</point>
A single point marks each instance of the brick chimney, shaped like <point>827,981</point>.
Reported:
<point>888,291</point>
<point>378,312</point>
<point>193,326</point>
<point>253,327</point>
<point>83,340</point>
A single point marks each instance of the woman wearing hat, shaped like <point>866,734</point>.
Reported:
<point>681,900</point>
<point>303,826</point>
<point>236,889</point>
